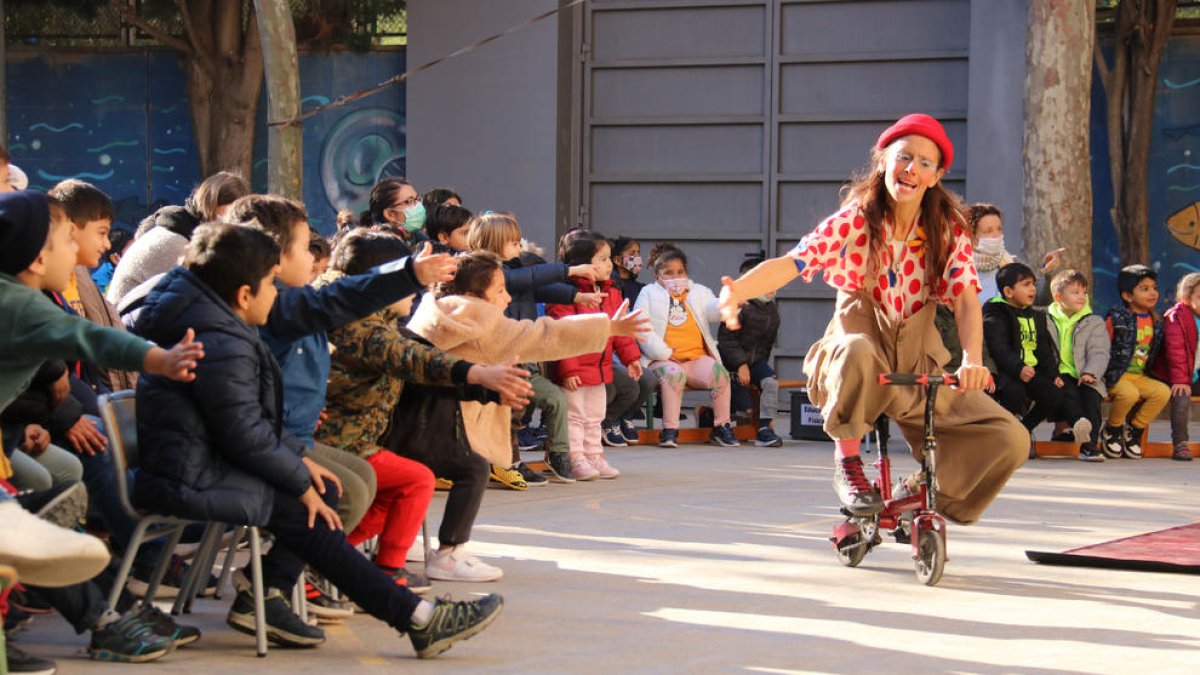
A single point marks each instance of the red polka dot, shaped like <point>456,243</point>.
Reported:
<point>844,230</point>
<point>957,289</point>
<point>955,271</point>
<point>821,248</point>
<point>856,260</point>
<point>861,240</point>
<point>859,222</point>
<point>921,262</point>
<point>914,286</point>
<point>909,266</point>
<point>916,306</point>
<point>962,257</point>
<point>878,295</point>
<point>967,250</point>
<point>853,276</point>
<point>883,281</point>
<point>896,302</point>
<point>839,280</point>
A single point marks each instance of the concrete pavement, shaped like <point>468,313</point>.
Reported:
<point>705,559</point>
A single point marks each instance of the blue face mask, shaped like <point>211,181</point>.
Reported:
<point>414,217</point>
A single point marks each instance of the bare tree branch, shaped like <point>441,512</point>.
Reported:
<point>131,17</point>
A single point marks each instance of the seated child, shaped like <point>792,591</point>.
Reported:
<point>681,349</point>
<point>40,416</point>
<point>1180,365</point>
<point>746,352</point>
<point>216,449</point>
<point>1027,368</point>
<point>447,229</point>
<point>373,359</point>
<point>119,239</point>
<point>1136,331</point>
<point>530,280</point>
<point>1082,344</point>
<point>466,318</point>
<point>627,396</point>
<point>584,377</point>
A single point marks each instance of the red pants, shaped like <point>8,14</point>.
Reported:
<point>401,500</point>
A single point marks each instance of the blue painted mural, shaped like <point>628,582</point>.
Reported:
<point>1174,180</point>
<point>122,121</point>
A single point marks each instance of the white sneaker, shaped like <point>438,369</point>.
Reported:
<point>1082,429</point>
<point>582,467</point>
<point>602,467</point>
<point>456,564</point>
<point>45,554</point>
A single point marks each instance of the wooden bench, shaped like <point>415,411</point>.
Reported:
<point>1150,449</point>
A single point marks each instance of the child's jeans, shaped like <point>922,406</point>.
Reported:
<point>702,373</point>
<point>585,413</point>
<point>763,377</point>
<point>1047,399</point>
<point>1080,400</point>
<point>402,494</point>
<point>1130,389</point>
<point>1181,410</point>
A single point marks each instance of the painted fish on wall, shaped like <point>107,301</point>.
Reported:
<point>1184,225</point>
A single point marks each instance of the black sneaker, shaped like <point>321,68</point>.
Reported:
<point>767,438</point>
<point>528,439</point>
<point>413,581</point>
<point>454,621</point>
<point>284,628</point>
<point>28,664</point>
<point>321,599</point>
<point>532,478</point>
<point>168,588</point>
<point>668,438</point>
<point>129,639</point>
<point>629,431</point>
<point>164,625</point>
<point>16,620</point>
<point>560,467</point>
<point>723,436</point>
<point>610,435</point>
<point>1133,443</point>
<point>853,489</point>
<point>1112,442</point>
<point>1088,452</point>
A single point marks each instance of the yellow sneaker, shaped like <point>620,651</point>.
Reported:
<point>442,484</point>
<point>509,478</point>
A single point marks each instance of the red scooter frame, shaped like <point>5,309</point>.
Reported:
<point>857,535</point>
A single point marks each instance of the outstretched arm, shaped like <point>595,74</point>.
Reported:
<point>767,277</point>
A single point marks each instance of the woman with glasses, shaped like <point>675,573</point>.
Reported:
<point>896,249</point>
<point>396,206</point>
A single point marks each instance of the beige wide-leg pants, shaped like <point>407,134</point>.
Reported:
<point>980,444</point>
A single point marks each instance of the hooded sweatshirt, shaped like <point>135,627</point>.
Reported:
<point>1017,337</point>
<point>1082,341</point>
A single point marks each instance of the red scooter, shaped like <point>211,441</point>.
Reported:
<point>911,519</point>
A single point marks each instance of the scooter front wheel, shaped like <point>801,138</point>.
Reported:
<point>930,560</point>
<point>852,549</point>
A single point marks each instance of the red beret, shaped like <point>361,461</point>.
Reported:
<point>919,125</point>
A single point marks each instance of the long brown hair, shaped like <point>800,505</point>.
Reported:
<point>941,210</point>
<point>475,273</point>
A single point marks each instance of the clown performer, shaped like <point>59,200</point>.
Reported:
<point>894,250</point>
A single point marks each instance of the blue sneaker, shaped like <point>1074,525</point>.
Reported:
<point>723,436</point>
<point>767,438</point>
<point>629,431</point>
<point>612,437</point>
<point>527,439</point>
<point>668,438</point>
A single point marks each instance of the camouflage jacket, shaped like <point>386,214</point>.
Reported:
<point>372,358</point>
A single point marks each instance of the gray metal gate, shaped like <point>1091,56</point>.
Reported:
<point>728,126</point>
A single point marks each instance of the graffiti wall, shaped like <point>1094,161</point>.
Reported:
<point>121,121</point>
<point>1174,181</point>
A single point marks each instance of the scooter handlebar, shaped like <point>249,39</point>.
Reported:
<point>912,378</point>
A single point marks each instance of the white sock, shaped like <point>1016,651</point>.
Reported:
<point>422,614</point>
<point>106,618</point>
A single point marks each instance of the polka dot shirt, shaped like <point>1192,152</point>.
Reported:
<point>839,247</point>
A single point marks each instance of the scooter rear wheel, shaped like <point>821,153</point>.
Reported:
<point>931,557</point>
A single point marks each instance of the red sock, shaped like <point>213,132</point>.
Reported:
<point>846,448</point>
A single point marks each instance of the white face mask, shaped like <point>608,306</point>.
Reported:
<point>675,286</point>
<point>990,245</point>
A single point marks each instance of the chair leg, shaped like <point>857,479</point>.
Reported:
<point>204,570</point>
<point>183,601</point>
<point>425,536</point>
<point>227,568</point>
<point>256,577</point>
<point>164,562</point>
<point>135,542</point>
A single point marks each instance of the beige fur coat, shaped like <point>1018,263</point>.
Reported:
<point>478,331</point>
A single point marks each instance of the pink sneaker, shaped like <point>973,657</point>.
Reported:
<point>582,468</point>
<point>602,467</point>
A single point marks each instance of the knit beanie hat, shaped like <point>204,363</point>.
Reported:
<point>1131,275</point>
<point>919,125</point>
<point>24,226</point>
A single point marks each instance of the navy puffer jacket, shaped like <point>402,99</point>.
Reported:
<point>214,448</point>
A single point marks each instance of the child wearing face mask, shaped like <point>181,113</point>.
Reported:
<point>627,265</point>
<point>746,353</point>
<point>681,349</point>
<point>626,395</point>
<point>584,378</point>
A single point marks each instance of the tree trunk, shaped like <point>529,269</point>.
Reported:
<point>1058,179</point>
<point>1140,40</point>
<point>285,168</point>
